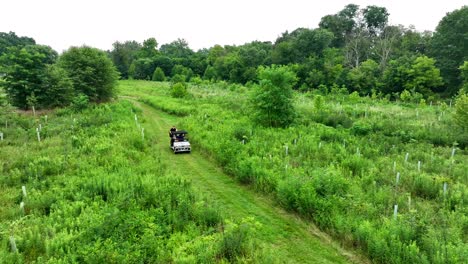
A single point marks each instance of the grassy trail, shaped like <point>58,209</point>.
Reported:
<point>282,234</point>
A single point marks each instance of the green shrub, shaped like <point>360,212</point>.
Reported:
<point>179,90</point>
<point>79,103</point>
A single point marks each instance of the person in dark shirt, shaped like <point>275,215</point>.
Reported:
<point>171,134</point>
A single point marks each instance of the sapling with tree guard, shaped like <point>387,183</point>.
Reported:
<point>23,189</point>
<point>13,244</point>
<point>406,156</point>
<point>419,166</point>
<point>395,211</point>
<point>394,166</point>
<point>38,134</point>
<point>22,207</point>
<point>1,136</point>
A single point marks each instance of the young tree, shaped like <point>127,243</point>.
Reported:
<point>461,111</point>
<point>159,75</point>
<point>272,98</point>
<point>424,77</point>
<point>91,71</point>
<point>365,78</point>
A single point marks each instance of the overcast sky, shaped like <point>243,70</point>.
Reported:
<point>203,23</point>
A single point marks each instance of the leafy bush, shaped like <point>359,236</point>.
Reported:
<point>179,90</point>
<point>80,102</point>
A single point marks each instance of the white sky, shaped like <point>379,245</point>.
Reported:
<point>203,23</point>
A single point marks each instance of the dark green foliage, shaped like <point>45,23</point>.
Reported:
<point>91,71</point>
<point>27,75</point>
<point>10,39</point>
<point>182,71</point>
<point>123,54</point>
<point>448,47</point>
<point>58,87</point>
<point>272,98</point>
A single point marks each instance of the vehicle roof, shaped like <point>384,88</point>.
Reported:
<point>181,132</point>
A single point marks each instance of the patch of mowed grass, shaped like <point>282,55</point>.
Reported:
<point>96,190</point>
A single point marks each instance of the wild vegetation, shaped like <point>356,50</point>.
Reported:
<point>88,187</point>
<point>387,178</point>
<point>358,126</point>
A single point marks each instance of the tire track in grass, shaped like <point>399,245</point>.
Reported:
<point>289,238</point>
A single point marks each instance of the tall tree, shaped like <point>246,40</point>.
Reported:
<point>149,48</point>
<point>376,19</point>
<point>25,69</point>
<point>177,49</point>
<point>340,24</point>
<point>449,47</point>
<point>385,44</point>
<point>272,98</point>
<point>123,55</point>
<point>10,39</point>
<point>424,77</point>
<point>91,71</point>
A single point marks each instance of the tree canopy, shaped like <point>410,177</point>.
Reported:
<point>449,47</point>
<point>91,72</point>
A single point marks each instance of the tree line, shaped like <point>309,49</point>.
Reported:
<point>355,48</point>
<point>35,75</point>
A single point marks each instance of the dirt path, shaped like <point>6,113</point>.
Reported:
<point>291,239</point>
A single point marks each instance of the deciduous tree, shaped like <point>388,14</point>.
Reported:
<point>91,71</point>
<point>449,47</point>
<point>272,98</point>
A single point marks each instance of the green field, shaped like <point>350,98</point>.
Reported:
<point>344,165</point>
<point>99,191</point>
<point>321,191</point>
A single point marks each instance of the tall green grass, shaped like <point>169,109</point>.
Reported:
<point>341,164</point>
<point>97,192</point>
